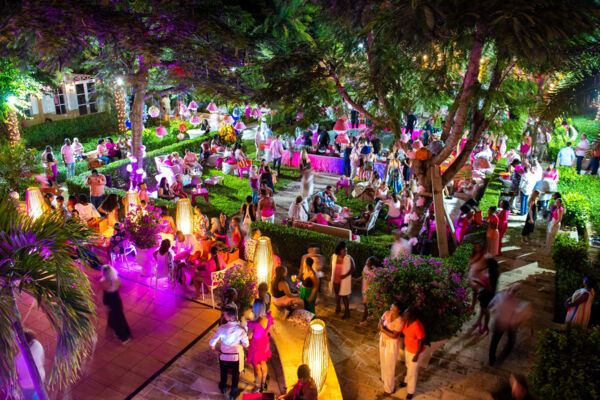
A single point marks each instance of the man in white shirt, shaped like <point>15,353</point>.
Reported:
<point>185,245</point>
<point>25,380</point>
<point>68,158</point>
<point>277,153</point>
<point>543,138</point>
<point>580,151</point>
<point>485,153</point>
<point>565,157</point>
<point>400,246</point>
<point>526,186</point>
<point>233,337</point>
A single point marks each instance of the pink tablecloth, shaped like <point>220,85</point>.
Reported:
<point>332,165</point>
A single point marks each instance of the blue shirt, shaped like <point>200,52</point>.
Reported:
<point>565,158</point>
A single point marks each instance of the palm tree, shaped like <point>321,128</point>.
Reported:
<point>37,258</point>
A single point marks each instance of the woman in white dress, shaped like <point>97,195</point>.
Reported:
<point>390,328</point>
<point>342,267</point>
<point>306,173</point>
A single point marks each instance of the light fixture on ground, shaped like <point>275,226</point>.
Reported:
<point>185,215</point>
<point>36,205</point>
<point>316,352</point>
<point>263,260</point>
<point>131,200</point>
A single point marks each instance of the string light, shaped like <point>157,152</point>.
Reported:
<point>120,104</point>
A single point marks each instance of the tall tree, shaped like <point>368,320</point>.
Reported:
<point>157,47</point>
<point>386,58</point>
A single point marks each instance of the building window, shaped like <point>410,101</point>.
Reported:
<point>28,110</point>
<point>59,102</point>
<point>86,98</point>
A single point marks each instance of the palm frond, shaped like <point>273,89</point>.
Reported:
<point>38,258</point>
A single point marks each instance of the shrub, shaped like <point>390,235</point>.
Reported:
<point>142,227</point>
<point>491,195</point>
<point>438,292</point>
<point>242,278</point>
<point>566,365</point>
<point>577,209</point>
<point>292,244</point>
<point>572,264</point>
<point>54,133</point>
<point>584,185</point>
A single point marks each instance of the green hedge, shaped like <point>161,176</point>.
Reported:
<point>583,193</point>
<point>572,264</point>
<point>491,195</point>
<point>566,365</point>
<point>84,127</point>
<point>292,244</point>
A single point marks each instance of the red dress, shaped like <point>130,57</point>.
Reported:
<point>502,226</point>
<point>238,240</point>
<point>259,349</point>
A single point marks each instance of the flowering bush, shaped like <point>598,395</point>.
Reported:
<point>142,227</point>
<point>227,134</point>
<point>438,292</point>
<point>242,278</point>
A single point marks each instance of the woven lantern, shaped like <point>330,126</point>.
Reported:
<point>316,352</point>
<point>263,260</point>
<point>36,205</point>
<point>422,154</point>
<point>131,200</point>
<point>185,216</point>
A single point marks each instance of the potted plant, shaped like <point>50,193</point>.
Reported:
<point>242,278</point>
<point>142,228</point>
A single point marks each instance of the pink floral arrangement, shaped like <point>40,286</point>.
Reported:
<point>142,226</point>
<point>242,278</point>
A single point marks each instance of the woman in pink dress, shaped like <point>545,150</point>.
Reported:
<point>463,224</point>
<point>502,222</point>
<point>525,145</point>
<point>551,172</point>
<point>259,349</point>
<point>177,188</point>
<point>492,235</point>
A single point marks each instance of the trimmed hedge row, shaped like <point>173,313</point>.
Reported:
<point>572,264</point>
<point>491,196</point>
<point>84,127</point>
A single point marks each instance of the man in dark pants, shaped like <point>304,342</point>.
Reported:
<point>427,132</point>
<point>233,337</point>
<point>509,313</point>
<point>411,122</point>
<point>354,119</point>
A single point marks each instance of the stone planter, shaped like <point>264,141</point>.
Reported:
<point>144,259</point>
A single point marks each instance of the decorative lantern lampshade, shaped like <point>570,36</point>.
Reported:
<point>195,120</point>
<point>161,131</point>
<point>340,126</point>
<point>131,200</point>
<point>240,126</point>
<point>256,113</point>
<point>228,120</point>
<point>212,107</point>
<point>193,106</point>
<point>153,111</point>
<point>36,205</point>
<point>316,352</point>
<point>263,260</point>
<point>185,216</point>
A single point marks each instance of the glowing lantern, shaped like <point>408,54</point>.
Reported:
<point>131,200</point>
<point>263,260</point>
<point>228,120</point>
<point>212,108</point>
<point>185,215</point>
<point>153,111</point>
<point>161,131</point>
<point>316,352</point>
<point>36,205</point>
<point>240,126</point>
<point>193,106</point>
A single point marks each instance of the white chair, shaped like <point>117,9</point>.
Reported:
<point>217,280</point>
<point>128,248</point>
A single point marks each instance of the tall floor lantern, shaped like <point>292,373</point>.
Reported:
<point>185,216</point>
<point>316,352</point>
<point>263,260</point>
<point>36,205</point>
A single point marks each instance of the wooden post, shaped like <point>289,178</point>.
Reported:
<point>440,213</point>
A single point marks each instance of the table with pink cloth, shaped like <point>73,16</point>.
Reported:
<point>334,165</point>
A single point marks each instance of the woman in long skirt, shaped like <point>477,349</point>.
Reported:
<point>390,327</point>
<point>531,217</point>
<point>111,299</point>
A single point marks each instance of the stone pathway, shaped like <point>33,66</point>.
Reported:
<point>458,370</point>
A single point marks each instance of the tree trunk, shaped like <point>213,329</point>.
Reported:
<point>137,126</point>
<point>24,347</point>
<point>423,174</point>
<point>121,110</point>
<point>11,126</point>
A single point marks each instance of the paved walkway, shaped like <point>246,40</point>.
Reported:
<point>459,369</point>
<point>162,325</point>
